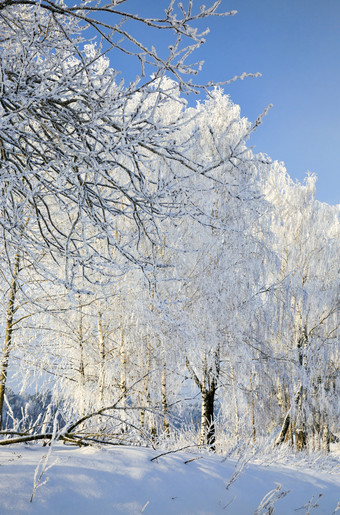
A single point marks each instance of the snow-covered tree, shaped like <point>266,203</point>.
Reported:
<point>304,309</point>
<point>76,141</point>
<point>146,251</point>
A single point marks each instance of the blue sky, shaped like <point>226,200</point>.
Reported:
<point>295,44</point>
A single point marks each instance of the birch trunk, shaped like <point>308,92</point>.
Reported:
<point>164,397</point>
<point>203,432</point>
<point>122,384</point>
<point>236,411</point>
<point>101,379</point>
<point>146,396</point>
<point>253,427</point>
<point>8,335</point>
<point>81,361</point>
<point>208,390</point>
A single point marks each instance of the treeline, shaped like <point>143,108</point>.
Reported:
<point>159,280</point>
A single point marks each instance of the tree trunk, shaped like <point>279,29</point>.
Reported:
<point>284,429</point>
<point>81,361</point>
<point>122,383</point>
<point>207,436</point>
<point>294,427</point>
<point>166,426</point>
<point>300,424</point>
<point>210,403</point>
<point>237,416</point>
<point>301,398</point>
<point>253,427</point>
<point>101,379</point>
<point>146,396</point>
<point>326,437</point>
<point>8,336</point>
<point>208,390</point>
<point>203,439</point>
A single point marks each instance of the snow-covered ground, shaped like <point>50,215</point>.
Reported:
<point>91,481</point>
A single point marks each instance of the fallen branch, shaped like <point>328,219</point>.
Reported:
<point>171,452</point>
<point>193,459</point>
<point>45,436</point>
<point>24,439</point>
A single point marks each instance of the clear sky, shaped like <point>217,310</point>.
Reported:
<point>295,44</point>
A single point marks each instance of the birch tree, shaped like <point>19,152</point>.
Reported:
<point>76,140</point>
<point>306,305</point>
<point>219,273</point>
<point>90,159</point>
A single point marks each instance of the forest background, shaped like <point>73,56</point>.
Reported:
<point>161,282</point>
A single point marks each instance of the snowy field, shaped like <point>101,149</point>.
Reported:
<point>124,480</point>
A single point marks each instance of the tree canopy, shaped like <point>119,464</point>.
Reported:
<point>148,256</point>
